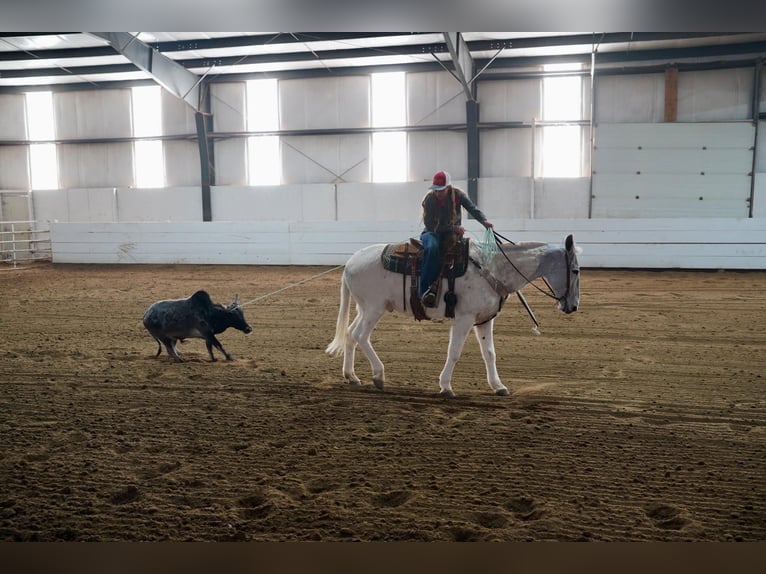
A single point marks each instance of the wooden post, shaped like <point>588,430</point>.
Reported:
<point>671,94</point>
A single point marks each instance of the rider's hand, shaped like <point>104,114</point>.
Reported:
<point>487,224</point>
<point>459,230</point>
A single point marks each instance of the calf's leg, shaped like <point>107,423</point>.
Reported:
<point>170,346</point>
<point>210,341</point>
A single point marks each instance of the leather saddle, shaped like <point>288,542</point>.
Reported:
<point>406,258</point>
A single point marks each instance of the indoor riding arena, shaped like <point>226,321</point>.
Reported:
<point>639,417</point>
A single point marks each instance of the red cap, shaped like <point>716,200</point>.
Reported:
<point>441,180</point>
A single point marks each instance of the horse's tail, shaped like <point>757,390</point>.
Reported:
<point>338,345</point>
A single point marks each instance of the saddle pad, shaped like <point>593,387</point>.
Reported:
<point>404,257</point>
<point>401,257</point>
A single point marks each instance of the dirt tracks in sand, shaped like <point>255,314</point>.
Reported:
<point>641,417</point>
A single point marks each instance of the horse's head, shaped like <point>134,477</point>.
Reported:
<point>565,280</point>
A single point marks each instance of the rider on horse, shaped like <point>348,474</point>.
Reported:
<point>442,220</point>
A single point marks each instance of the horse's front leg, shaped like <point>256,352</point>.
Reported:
<point>457,335</point>
<point>484,334</point>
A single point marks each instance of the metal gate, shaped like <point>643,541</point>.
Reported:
<point>24,242</point>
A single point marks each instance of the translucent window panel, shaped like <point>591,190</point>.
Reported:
<point>44,166</point>
<point>561,151</point>
<point>389,157</point>
<point>562,145</point>
<point>147,111</point>
<point>40,116</point>
<point>562,98</point>
<point>388,99</point>
<point>263,161</point>
<point>262,105</point>
<point>149,163</point>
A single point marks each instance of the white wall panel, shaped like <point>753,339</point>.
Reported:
<point>198,243</point>
<point>625,243</point>
<point>317,103</point>
<point>325,159</point>
<point>661,160</point>
<point>760,148</point>
<point>13,117</point>
<point>181,163</point>
<point>95,165</point>
<point>506,152</point>
<point>177,115</point>
<point>228,107</point>
<point>670,195</point>
<point>430,152</point>
<point>168,204</point>
<point>92,114</point>
<point>675,135</point>
<point>762,98</point>
<point>510,101</point>
<point>630,98</point>
<point>91,205</point>
<point>50,205</point>
<point>521,197</point>
<point>382,202</point>
<point>315,202</point>
<point>715,95</point>
<point>506,198</point>
<point>14,167</point>
<point>759,196</point>
<point>561,198</point>
<point>672,170</point>
<point>434,98</point>
<point>230,162</point>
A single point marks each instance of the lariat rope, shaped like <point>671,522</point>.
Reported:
<point>301,282</point>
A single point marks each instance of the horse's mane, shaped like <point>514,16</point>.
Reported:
<point>524,245</point>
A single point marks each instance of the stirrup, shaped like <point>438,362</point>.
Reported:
<point>429,299</point>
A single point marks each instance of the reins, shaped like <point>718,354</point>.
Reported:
<point>301,282</point>
<point>552,295</point>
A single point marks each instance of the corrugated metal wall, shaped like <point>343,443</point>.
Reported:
<point>710,100</point>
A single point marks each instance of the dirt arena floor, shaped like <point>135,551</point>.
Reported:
<point>642,417</point>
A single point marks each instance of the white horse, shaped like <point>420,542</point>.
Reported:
<point>480,293</point>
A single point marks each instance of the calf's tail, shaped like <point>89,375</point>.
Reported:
<point>338,345</point>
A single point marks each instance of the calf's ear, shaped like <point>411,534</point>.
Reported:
<point>569,242</point>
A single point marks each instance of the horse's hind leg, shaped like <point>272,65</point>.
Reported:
<point>349,354</point>
<point>360,331</point>
<point>484,334</point>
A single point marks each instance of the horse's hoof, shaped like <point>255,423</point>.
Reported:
<point>447,394</point>
<point>502,392</point>
<point>353,382</point>
<point>378,384</point>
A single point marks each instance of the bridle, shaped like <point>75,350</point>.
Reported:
<point>552,293</point>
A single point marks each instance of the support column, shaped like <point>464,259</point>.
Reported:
<point>472,132</point>
<point>756,105</point>
<point>204,122</point>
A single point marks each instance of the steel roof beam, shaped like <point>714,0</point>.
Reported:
<point>269,39</point>
<point>462,61</point>
<point>168,73</point>
<point>636,54</point>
